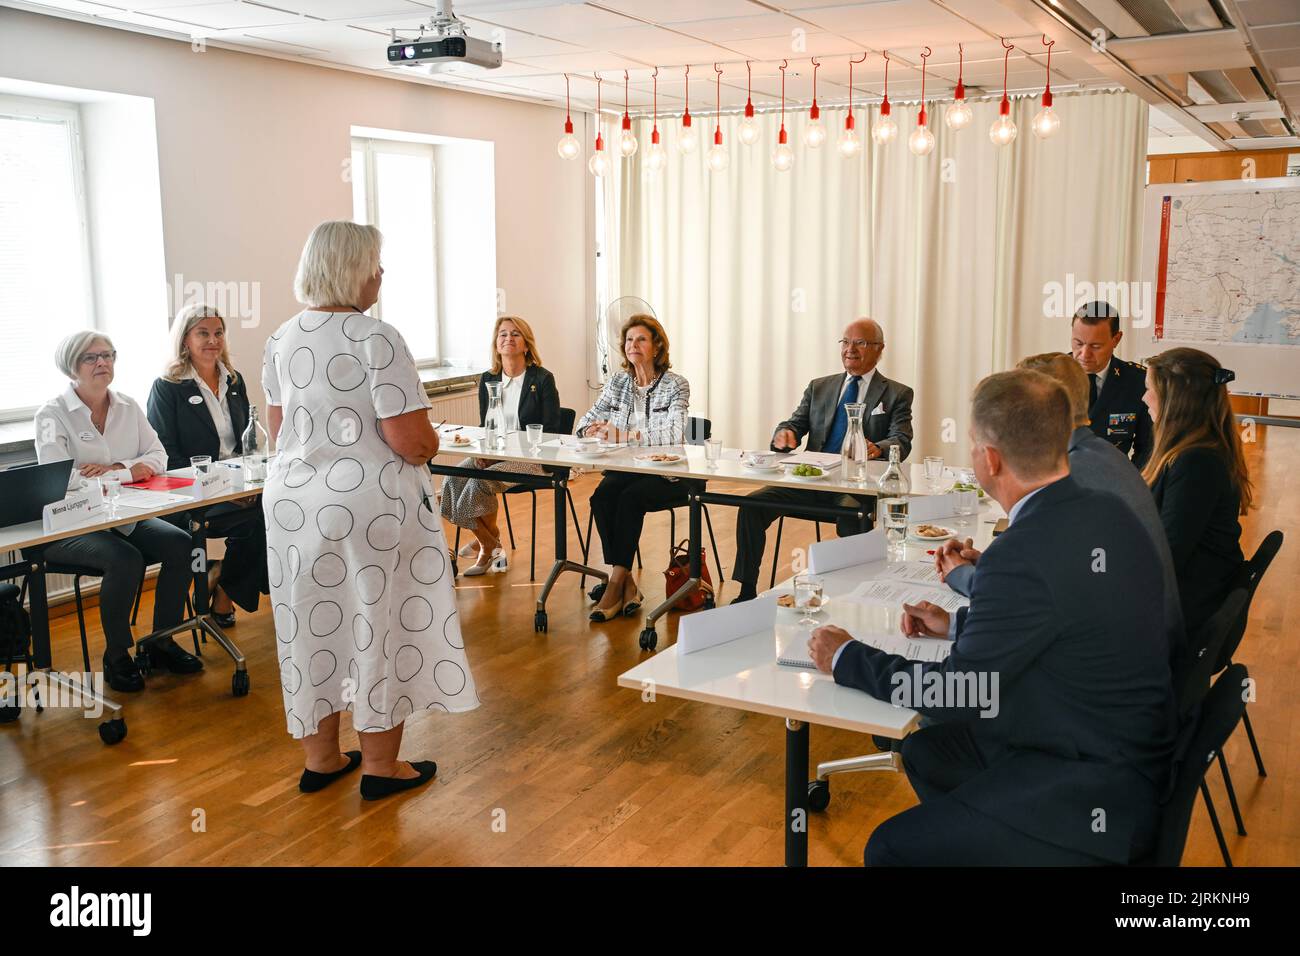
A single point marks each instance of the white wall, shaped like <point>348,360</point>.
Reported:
<point>251,152</point>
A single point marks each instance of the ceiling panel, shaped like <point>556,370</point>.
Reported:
<point>672,11</point>
<point>567,21</point>
<point>225,16</point>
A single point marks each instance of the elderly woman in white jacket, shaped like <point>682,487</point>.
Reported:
<point>106,434</point>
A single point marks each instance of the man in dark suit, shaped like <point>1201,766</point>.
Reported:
<point>822,418</point>
<point>1096,465</point>
<point>1115,408</point>
<point>1055,712</point>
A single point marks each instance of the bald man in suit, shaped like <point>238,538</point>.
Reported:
<point>822,419</point>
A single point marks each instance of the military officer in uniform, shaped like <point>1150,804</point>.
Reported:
<point>1115,387</point>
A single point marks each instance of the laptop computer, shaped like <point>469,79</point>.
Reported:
<point>26,490</point>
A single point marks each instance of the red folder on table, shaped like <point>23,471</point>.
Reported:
<point>161,483</point>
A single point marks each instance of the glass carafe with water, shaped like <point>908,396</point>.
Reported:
<point>494,420</point>
<point>891,498</point>
<point>853,453</point>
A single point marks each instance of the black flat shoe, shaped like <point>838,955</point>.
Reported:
<point>123,675</point>
<point>600,617</point>
<point>224,620</point>
<point>311,781</point>
<point>167,653</point>
<point>376,788</point>
<point>634,605</point>
<point>597,592</point>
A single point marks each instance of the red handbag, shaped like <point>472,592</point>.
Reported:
<point>678,573</point>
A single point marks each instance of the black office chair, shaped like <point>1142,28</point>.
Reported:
<point>77,572</point>
<point>1191,679</point>
<point>698,431</point>
<point>1220,711</point>
<point>567,418</point>
<point>1252,573</point>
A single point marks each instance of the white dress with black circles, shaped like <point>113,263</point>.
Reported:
<point>361,587</point>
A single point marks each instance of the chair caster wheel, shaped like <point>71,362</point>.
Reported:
<point>9,714</point>
<point>539,622</point>
<point>597,592</point>
<point>113,731</point>
<point>649,639</point>
<point>143,664</point>
<point>819,795</point>
<point>239,684</point>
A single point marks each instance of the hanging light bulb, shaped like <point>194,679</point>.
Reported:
<point>599,162</point>
<point>849,144</point>
<point>921,142</point>
<point>1047,122</point>
<point>958,115</point>
<point>568,147</point>
<point>655,158</point>
<point>1003,130</point>
<point>687,141</point>
<point>627,141</point>
<point>884,130</point>
<point>748,126</point>
<point>814,134</point>
<point>718,158</point>
<point>783,155</point>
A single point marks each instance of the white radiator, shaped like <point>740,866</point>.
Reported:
<point>458,407</point>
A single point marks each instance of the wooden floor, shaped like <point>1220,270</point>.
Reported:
<point>559,765</point>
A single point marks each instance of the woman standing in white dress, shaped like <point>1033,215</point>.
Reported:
<point>361,588</point>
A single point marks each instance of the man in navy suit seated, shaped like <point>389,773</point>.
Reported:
<point>1054,715</point>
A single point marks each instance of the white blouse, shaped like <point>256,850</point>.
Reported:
<point>219,409</point>
<point>512,390</point>
<point>64,430</point>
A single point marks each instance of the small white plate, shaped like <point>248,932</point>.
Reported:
<point>761,469</point>
<point>587,451</point>
<point>923,539</point>
<point>808,479</point>
<point>452,443</point>
<point>647,461</point>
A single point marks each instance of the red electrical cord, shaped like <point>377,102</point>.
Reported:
<point>814,113</point>
<point>920,119</point>
<point>1005,107</point>
<point>600,143</point>
<point>749,91</point>
<point>686,117</point>
<point>654,116</point>
<point>781,137</point>
<point>717,122</point>
<point>960,92</point>
<point>1047,91</point>
<point>848,122</point>
<point>884,105</point>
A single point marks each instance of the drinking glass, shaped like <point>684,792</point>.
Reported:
<point>111,485</point>
<point>967,499</point>
<point>894,511</point>
<point>202,465</point>
<point>933,470</point>
<point>534,438</point>
<point>808,592</point>
<point>712,452</point>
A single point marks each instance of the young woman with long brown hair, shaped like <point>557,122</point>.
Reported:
<point>1197,473</point>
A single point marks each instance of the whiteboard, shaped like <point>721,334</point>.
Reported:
<point>1221,272</point>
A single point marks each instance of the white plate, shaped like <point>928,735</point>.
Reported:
<point>808,479</point>
<point>587,451</point>
<point>923,539</point>
<point>646,461</point>
<point>452,443</point>
<point>761,469</point>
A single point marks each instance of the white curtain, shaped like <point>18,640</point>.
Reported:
<point>755,273</point>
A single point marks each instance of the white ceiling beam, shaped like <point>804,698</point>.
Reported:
<point>1180,52</point>
<point>1225,112</point>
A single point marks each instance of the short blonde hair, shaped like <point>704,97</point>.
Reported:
<point>337,261</point>
<point>657,336</point>
<point>67,354</point>
<point>1066,370</point>
<point>179,365</point>
<point>531,355</point>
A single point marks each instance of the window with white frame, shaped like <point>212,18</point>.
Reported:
<point>393,189</point>
<point>45,277</point>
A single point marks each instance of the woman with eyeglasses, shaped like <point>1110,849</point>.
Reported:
<point>107,436</point>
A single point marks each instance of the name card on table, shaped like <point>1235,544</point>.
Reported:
<point>705,629</point>
<point>929,507</point>
<point>216,482</point>
<point>827,556</point>
<point>75,509</point>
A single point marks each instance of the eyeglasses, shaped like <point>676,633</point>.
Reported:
<point>857,343</point>
<point>90,358</point>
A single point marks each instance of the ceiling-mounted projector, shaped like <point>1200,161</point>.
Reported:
<point>444,46</point>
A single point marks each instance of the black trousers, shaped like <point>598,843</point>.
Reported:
<point>752,523</point>
<point>120,560</point>
<point>243,569</point>
<point>943,831</point>
<point>619,506</point>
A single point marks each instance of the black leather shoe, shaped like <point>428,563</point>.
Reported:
<point>311,781</point>
<point>167,653</point>
<point>376,788</point>
<point>122,674</point>
<point>598,591</point>
<point>743,597</point>
<point>224,620</point>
